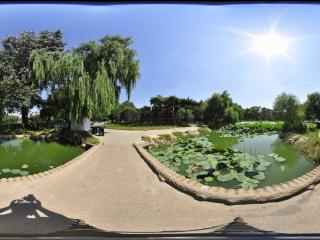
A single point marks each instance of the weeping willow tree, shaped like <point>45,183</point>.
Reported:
<point>118,60</point>
<point>77,94</point>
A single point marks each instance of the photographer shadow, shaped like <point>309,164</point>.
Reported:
<point>27,216</point>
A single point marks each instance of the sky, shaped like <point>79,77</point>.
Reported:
<point>192,50</point>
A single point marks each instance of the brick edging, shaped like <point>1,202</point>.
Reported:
<point>51,171</point>
<point>230,196</point>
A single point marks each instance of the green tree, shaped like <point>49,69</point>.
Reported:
<point>189,116</point>
<point>158,109</point>
<point>80,95</point>
<point>16,53</point>
<point>180,115</point>
<point>220,110</point>
<point>118,58</point>
<point>312,106</point>
<point>146,115</point>
<point>287,107</point>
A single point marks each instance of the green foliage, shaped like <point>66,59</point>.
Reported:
<point>129,113</point>
<point>276,157</point>
<point>310,145</point>
<point>9,119</point>
<point>221,111</point>
<point>178,134</point>
<point>180,116</point>
<point>22,89</point>
<point>257,113</point>
<point>79,94</point>
<point>252,128</point>
<point>126,113</point>
<point>146,138</point>
<point>184,116</point>
<point>312,110</point>
<point>288,109</point>
<point>204,130</point>
<point>166,137</point>
<point>137,127</point>
<point>199,159</point>
<point>173,110</point>
<point>117,58</point>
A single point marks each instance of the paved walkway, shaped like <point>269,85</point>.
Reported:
<point>113,189</point>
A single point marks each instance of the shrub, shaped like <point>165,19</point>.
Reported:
<point>166,137</point>
<point>146,138</point>
<point>180,116</point>
<point>178,134</point>
<point>204,130</point>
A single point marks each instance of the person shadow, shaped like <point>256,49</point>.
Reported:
<point>28,216</point>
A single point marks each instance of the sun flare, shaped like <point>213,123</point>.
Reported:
<point>270,44</point>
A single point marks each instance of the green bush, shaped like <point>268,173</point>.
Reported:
<point>294,126</point>
<point>146,138</point>
<point>178,134</point>
<point>166,137</point>
<point>204,130</point>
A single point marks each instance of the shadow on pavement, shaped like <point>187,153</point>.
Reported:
<point>27,216</point>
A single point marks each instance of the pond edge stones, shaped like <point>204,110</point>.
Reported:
<point>229,196</point>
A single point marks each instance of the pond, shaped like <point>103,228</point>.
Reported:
<point>24,157</point>
<point>295,165</point>
<point>234,162</point>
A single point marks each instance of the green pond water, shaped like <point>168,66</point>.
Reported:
<point>296,163</point>
<point>25,157</point>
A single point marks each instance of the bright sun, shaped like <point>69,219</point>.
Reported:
<point>270,44</point>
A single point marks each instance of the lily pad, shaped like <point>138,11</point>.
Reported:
<point>5,170</point>
<point>259,176</point>
<point>15,171</point>
<point>280,159</point>
<point>25,165</point>
<point>208,179</point>
<point>24,173</point>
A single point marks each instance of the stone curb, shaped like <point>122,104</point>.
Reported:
<point>51,171</point>
<point>230,196</point>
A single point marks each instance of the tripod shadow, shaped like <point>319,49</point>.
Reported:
<point>27,216</point>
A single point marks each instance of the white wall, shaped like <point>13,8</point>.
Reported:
<point>83,125</point>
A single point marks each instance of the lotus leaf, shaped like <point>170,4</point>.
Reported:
<point>208,179</point>
<point>24,166</point>
<point>24,173</point>
<point>226,177</point>
<point>15,171</point>
<point>280,159</point>
<point>259,176</point>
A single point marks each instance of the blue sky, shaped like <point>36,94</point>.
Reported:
<point>192,50</point>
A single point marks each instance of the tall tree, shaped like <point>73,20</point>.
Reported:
<point>80,95</point>
<point>220,110</point>
<point>312,108</point>
<point>16,52</point>
<point>119,60</point>
<point>287,107</point>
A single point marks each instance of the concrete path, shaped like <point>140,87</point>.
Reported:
<point>115,190</point>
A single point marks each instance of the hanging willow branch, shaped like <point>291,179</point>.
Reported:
<point>84,96</point>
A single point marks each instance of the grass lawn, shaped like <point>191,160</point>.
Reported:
<point>119,126</point>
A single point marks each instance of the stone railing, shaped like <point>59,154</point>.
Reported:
<point>230,196</point>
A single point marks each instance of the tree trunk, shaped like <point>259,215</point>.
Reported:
<point>24,117</point>
<point>173,115</point>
